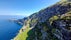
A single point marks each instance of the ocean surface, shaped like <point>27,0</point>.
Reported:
<point>8,29</point>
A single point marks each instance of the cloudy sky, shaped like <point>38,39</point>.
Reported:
<point>23,7</point>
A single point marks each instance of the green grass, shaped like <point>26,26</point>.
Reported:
<point>23,35</point>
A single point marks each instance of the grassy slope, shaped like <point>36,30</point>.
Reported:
<point>23,35</point>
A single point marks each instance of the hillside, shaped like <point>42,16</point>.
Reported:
<point>51,23</point>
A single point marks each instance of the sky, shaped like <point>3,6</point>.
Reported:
<point>23,7</point>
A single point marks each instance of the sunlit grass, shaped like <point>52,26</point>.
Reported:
<point>22,35</point>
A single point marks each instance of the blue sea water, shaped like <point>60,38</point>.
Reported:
<point>8,29</point>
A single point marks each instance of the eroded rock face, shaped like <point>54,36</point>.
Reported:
<point>63,29</point>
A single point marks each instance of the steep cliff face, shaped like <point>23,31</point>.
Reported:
<point>51,23</point>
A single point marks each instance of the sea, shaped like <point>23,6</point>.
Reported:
<point>9,29</point>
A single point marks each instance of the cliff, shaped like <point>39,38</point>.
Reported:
<point>51,23</point>
<point>20,21</point>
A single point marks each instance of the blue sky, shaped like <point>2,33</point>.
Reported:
<point>23,7</point>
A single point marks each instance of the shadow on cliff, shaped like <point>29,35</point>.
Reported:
<point>30,35</point>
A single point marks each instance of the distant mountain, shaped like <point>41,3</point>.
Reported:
<point>51,23</point>
<point>21,21</point>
